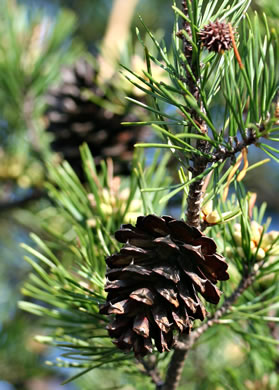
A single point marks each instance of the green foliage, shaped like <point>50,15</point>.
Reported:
<point>249,96</point>
<point>69,267</point>
<point>15,337</point>
<point>33,47</point>
<point>73,290</point>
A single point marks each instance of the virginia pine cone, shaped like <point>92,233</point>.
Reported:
<point>74,117</point>
<point>154,279</point>
<point>216,37</point>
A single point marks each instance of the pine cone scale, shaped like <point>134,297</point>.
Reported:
<point>153,225</point>
<point>183,232</point>
<point>128,232</point>
<point>161,319</point>
<point>167,272</point>
<point>144,295</point>
<point>141,326</point>
<point>169,294</point>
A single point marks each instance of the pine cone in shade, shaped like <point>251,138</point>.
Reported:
<point>154,280</point>
<point>76,113</point>
<point>216,37</point>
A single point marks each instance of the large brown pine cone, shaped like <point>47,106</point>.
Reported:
<point>154,280</point>
<point>76,113</point>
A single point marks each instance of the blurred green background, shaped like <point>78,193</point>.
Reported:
<point>77,26</point>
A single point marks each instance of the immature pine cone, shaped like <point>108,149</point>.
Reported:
<point>216,37</point>
<point>153,282</point>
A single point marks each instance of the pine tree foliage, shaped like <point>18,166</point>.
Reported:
<point>83,244</point>
<point>209,157</point>
<point>32,47</point>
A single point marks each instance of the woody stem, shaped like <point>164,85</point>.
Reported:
<point>245,282</point>
<point>194,200</point>
<point>175,369</point>
<point>182,348</point>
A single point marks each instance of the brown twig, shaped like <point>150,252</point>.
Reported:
<point>199,162</point>
<point>194,202</point>
<point>195,195</point>
<point>245,282</point>
<point>150,369</point>
<point>175,369</point>
<point>183,347</point>
<point>224,153</point>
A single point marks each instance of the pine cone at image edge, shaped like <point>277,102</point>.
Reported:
<point>153,281</point>
<point>74,118</point>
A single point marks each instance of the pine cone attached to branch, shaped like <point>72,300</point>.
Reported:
<point>79,111</point>
<point>154,281</point>
<point>216,36</point>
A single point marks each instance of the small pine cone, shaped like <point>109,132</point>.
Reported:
<point>154,280</point>
<point>216,37</point>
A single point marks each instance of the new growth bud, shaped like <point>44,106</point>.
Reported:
<point>262,245</point>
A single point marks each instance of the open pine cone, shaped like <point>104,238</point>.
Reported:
<point>215,36</point>
<point>78,112</point>
<point>154,280</point>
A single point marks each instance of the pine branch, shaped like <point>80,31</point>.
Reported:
<point>199,162</point>
<point>245,282</point>
<point>194,200</point>
<point>97,233</point>
<point>182,348</point>
<point>224,153</point>
<point>150,369</point>
<point>175,369</point>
